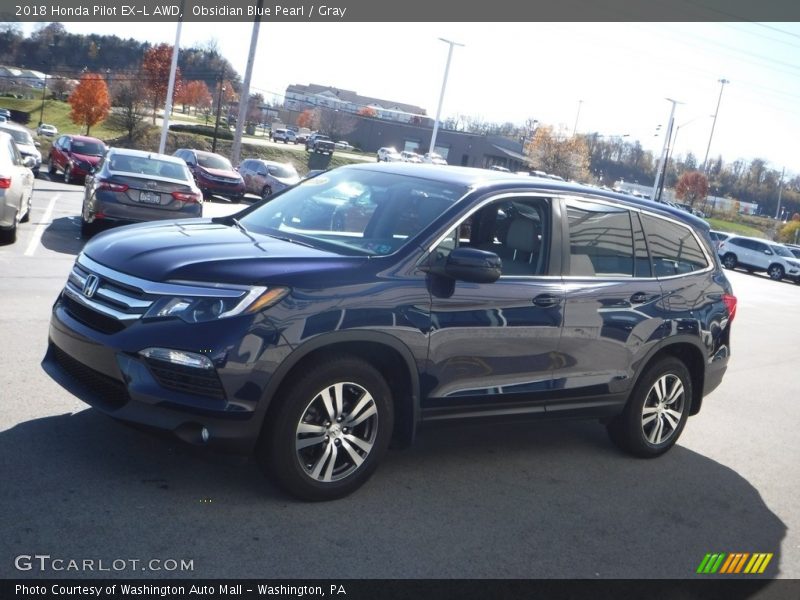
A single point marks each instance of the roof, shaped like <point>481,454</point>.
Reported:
<point>85,138</point>
<point>512,154</point>
<point>471,177</point>
<point>315,89</point>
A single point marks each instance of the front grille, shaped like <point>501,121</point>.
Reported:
<point>188,380</point>
<point>110,392</point>
<point>90,318</point>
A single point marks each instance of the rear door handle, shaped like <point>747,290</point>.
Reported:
<point>546,300</point>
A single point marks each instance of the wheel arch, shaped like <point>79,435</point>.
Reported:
<point>690,352</point>
<point>391,357</point>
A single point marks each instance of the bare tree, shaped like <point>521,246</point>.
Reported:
<point>129,109</point>
<point>336,124</point>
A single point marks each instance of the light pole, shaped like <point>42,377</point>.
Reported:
<point>219,108</point>
<point>664,147</point>
<point>441,95</point>
<point>575,129</point>
<point>722,82</point>
<point>780,192</point>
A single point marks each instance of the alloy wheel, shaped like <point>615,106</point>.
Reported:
<point>336,432</point>
<point>663,409</point>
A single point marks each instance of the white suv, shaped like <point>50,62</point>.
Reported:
<point>753,254</point>
<point>388,154</point>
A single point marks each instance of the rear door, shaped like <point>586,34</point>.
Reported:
<point>614,307</point>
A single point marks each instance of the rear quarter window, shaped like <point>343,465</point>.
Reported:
<point>674,249</point>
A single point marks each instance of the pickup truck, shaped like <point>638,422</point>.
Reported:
<point>317,142</point>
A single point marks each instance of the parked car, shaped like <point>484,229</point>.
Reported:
<point>266,177</point>
<point>47,130</point>
<point>320,143</point>
<point>434,159</point>
<point>214,174</point>
<point>284,135</point>
<point>500,168</point>
<point>16,188</point>
<point>718,237</point>
<point>301,135</point>
<point>411,157</point>
<point>450,297</point>
<point>75,156</point>
<point>755,255</point>
<point>343,145</point>
<point>388,154</point>
<point>4,112</point>
<point>795,250</point>
<point>25,144</point>
<point>130,186</point>
<point>3,119</point>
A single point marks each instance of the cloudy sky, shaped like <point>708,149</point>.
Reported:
<point>622,73</point>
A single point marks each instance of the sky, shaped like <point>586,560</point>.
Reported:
<point>618,74</point>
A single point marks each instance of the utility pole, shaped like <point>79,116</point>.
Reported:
<point>722,82</point>
<point>171,85</point>
<point>441,95</point>
<point>219,109</point>
<point>664,148</point>
<point>780,192</point>
<point>244,98</point>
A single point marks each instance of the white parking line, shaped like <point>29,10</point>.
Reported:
<point>37,235</point>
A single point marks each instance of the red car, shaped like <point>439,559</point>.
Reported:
<point>214,174</point>
<point>75,156</point>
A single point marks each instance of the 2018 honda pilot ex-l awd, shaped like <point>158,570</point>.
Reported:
<point>314,327</point>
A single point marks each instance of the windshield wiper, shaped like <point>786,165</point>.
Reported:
<point>291,240</point>
<point>239,225</point>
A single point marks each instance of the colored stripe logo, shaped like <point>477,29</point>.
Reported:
<point>735,563</point>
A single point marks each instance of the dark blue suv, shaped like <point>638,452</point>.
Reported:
<point>316,326</point>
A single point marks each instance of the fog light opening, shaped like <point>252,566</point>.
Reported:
<point>178,357</point>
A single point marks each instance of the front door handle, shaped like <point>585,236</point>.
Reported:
<point>546,300</point>
<point>641,298</point>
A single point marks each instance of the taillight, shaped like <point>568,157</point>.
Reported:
<point>5,183</point>
<point>104,184</point>
<point>187,197</point>
<point>730,303</point>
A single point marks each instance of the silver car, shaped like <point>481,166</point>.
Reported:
<point>130,186</point>
<point>266,177</point>
<point>16,188</point>
<point>26,145</point>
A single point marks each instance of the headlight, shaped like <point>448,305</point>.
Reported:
<point>202,309</point>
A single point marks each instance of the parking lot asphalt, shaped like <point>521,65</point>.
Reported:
<point>521,500</point>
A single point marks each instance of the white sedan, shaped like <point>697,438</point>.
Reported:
<point>48,130</point>
<point>16,188</point>
<point>433,158</point>
<point>389,154</point>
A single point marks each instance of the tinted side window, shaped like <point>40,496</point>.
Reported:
<point>600,240</point>
<point>674,248</point>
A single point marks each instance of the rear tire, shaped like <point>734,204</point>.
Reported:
<point>8,236</point>
<point>729,261</point>
<point>88,229</point>
<point>656,412</point>
<point>51,167</point>
<point>331,431</point>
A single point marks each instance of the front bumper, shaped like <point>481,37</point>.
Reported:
<point>229,190</point>
<point>106,371</point>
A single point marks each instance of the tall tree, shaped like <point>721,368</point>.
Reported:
<point>307,119</point>
<point>559,153</point>
<point>692,186</point>
<point>89,102</point>
<point>129,114</point>
<point>155,68</point>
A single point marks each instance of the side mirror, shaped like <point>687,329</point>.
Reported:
<point>37,143</point>
<point>768,252</point>
<point>29,162</point>
<point>470,264</point>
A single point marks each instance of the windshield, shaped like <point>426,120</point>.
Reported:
<point>354,211</point>
<point>21,137</point>
<point>87,148</point>
<point>781,251</point>
<point>212,161</point>
<point>285,171</point>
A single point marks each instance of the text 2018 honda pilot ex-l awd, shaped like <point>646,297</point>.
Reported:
<point>313,328</point>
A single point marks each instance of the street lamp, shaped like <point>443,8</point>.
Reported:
<point>441,95</point>
<point>664,147</point>
<point>575,129</point>
<point>722,82</point>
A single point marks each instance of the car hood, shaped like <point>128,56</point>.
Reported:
<point>221,172</point>
<point>287,180</point>
<point>29,149</point>
<point>204,251</point>
<point>92,160</point>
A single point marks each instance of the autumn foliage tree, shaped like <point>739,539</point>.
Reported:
<point>195,93</point>
<point>367,111</point>
<point>692,186</point>
<point>89,101</point>
<point>559,153</point>
<point>155,68</point>
<point>307,119</point>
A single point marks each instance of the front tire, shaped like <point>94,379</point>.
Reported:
<point>68,175</point>
<point>331,432</point>
<point>266,192</point>
<point>776,272</point>
<point>656,412</point>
